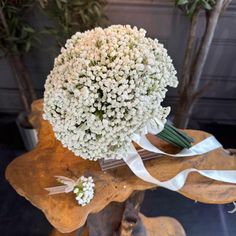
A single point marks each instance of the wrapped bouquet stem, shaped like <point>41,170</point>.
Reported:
<point>106,91</point>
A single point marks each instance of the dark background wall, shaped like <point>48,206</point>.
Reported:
<point>161,20</point>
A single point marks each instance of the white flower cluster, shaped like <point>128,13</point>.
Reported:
<point>84,190</point>
<point>106,85</point>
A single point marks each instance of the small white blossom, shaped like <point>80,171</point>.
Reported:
<point>84,190</point>
<point>106,85</point>
<point>84,92</point>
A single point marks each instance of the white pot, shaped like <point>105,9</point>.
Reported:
<point>28,133</point>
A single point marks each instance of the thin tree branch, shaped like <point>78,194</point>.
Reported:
<point>205,46</point>
<point>188,52</point>
<point>201,91</point>
<point>26,77</point>
<point>16,65</point>
<point>225,5</point>
<point>21,73</point>
<point>22,91</point>
<point>3,19</point>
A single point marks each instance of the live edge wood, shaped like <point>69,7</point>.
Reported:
<point>30,173</point>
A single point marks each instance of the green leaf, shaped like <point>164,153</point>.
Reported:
<point>59,5</point>
<point>206,5</point>
<point>181,2</point>
<point>84,18</point>
<point>79,3</point>
<point>98,43</point>
<point>193,8</point>
<point>99,114</point>
<point>28,29</point>
<point>37,39</point>
<point>27,46</point>
<point>97,10</point>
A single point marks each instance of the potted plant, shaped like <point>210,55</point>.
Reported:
<point>69,17</point>
<point>196,55</point>
<point>17,39</point>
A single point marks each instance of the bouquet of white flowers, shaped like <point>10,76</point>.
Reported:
<point>106,85</point>
<point>104,92</point>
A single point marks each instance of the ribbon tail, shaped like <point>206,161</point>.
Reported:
<point>68,186</point>
<point>206,145</point>
<point>135,163</point>
<point>57,189</point>
<point>228,176</point>
<point>65,180</point>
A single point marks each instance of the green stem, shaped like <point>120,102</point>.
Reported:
<point>176,137</point>
<point>170,131</point>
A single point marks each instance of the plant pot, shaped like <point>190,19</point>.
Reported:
<point>28,133</point>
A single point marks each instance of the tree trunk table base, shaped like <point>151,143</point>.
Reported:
<point>162,226</point>
<point>155,226</point>
<point>114,210</point>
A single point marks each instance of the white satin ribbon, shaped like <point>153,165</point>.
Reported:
<point>135,162</point>
<point>206,145</point>
<point>69,185</point>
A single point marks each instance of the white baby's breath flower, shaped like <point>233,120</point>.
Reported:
<point>106,85</point>
<point>84,190</point>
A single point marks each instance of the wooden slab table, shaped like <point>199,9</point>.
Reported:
<point>114,209</point>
